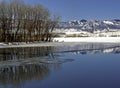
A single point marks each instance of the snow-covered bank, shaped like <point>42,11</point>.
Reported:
<point>89,39</point>
<point>40,44</point>
<point>64,41</point>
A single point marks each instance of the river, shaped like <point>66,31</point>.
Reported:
<point>83,65</point>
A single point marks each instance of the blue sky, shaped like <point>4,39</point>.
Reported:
<point>82,9</point>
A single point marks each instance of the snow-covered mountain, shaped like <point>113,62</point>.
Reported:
<point>90,26</point>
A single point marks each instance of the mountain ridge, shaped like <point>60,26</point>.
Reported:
<point>90,26</point>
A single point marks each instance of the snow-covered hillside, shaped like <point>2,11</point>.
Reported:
<point>89,26</point>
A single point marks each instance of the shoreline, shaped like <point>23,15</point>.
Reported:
<point>40,44</point>
<point>89,39</point>
<point>64,41</point>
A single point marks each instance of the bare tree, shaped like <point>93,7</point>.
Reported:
<point>22,22</point>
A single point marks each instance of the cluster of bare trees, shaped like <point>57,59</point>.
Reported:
<point>20,22</point>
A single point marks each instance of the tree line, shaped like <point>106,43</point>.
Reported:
<point>20,22</point>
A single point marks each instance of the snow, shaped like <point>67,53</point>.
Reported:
<point>39,44</point>
<point>61,41</point>
<point>108,22</point>
<point>89,39</point>
<point>82,32</point>
<point>2,44</point>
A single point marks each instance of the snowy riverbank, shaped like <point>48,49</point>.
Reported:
<point>64,41</point>
<point>89,39</point>
<point>34,44</point>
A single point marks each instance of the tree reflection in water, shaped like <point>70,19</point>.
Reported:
<point>24,53</point>
<point>16,75</point>
<point>21,65</point>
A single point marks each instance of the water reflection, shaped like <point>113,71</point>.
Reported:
<point>24,53</point>
<point>18,75</point>
<point>91,48</point>
<point>21,65</point>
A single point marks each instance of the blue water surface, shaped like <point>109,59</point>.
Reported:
<point>96,66</point>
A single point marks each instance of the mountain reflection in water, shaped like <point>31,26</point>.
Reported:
<point>21,65</point>
<point>91,48</point>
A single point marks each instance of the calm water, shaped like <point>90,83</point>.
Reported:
<point>69,66</point>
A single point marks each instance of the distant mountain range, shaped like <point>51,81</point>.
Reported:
<point>90,26</point>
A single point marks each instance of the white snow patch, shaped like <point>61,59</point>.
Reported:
<point>89,39</point>
<point>108,22</point>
